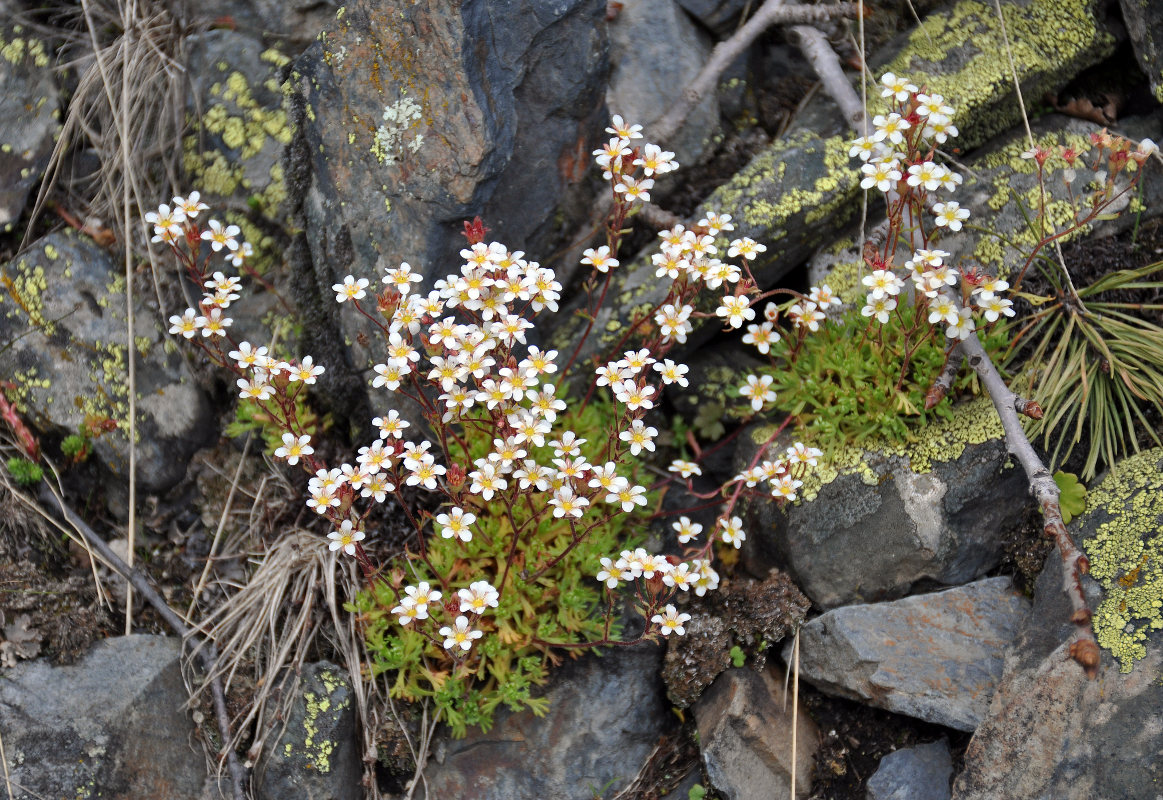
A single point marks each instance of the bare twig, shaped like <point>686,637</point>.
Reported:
<point>207,654</point>
<point>772,12</point>
<point>1083,649</point>
<point>814,45</point>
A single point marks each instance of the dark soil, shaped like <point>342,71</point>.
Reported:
<point>855,737</point>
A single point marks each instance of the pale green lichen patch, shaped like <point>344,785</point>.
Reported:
<point>1050,41</point>
<point>1126,555</point>
<point>943,440</point>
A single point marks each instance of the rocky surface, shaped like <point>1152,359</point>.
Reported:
<point>1145,26</point>
<point>654,50</point>
<point>798,192</point>
<point>718,15</point>
<point>29,118</point>
<point>63,315</point>
<point>317,754</point>
<point>1050,732</point>
<point>913,773</point>
<point>293,22</point>
<point>413,123</point>
<point>876,521</point>
<point>112,725</point>
<point>937,657</point>
<point>233,151</point>
<point>745,735</point>
<point>605,716</point>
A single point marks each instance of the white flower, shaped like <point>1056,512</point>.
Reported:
<point>345,538</point>
<point>686,529</point>
<point>746,247</point>
<point>962,327</point>
<point>736,309</point>
<point>600,259</point>
<point>731,532</point>
<point>670,621</point>
<point>758,389</point>
<point>478,598</point>
<point>897,88</point>
<point>460,635</point>
<point>950,214</point>
<point>293,449</point>
<point>350,289</point>
<point>456,524</point>
<point>685,468</point>
<point>219,236</point>
<point>566,504</point>
<point>672,372</point>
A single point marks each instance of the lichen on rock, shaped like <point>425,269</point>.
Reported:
<point>1123,529</point>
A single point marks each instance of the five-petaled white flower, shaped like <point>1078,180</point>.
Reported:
<point>459,635</point>
<point>758,390</point>
<point>345,538</point>
<point>671,621</point>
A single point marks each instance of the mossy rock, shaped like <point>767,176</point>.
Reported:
<point>1145,26</point>
<point>876,519</point>
<point>238,130</point>
<point>1050,731</point>
<point>29,118</point>
<point>318,753</point>
<point>63,346</point>
<point>795,195</point>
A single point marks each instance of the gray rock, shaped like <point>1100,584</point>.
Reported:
<point>63,326</point>
<point>1050,733</point>
<point>239,130</point>
<point>317,756</point>
<point>745,737</point>
<point>296,22</point>
<point>795,195</point>
<point>1145,26</point>
<point>656,51</point>
<point>936,657</point>
<point>871,530</point>
<point>914,773</point>
<point>29,112</point>
<point>112,725</point>
<point>720,16</point>
<point>605,716</point>
<point>493,109</point>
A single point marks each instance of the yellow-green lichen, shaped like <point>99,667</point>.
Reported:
<point>944,440</point>
<point>1126,556</point>
<point>316,748</point>
<point>1044,36</point>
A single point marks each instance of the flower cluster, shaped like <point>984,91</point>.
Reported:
<point>898,160</point>
<point>514,488</point>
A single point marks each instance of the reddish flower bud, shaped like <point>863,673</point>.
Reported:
<point>475,231</point>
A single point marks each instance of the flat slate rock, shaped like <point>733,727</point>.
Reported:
<point>605,717</point>
<point>111,725</point>
<point>913,773</point>
<point>937,657</point>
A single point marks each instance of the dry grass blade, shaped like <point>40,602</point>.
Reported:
<point>128,105</point>
<point>271,622</point>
